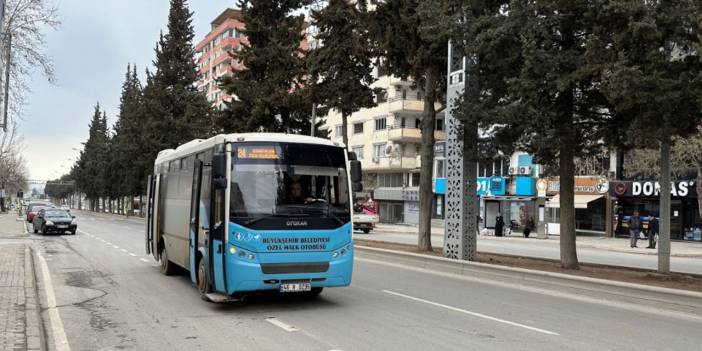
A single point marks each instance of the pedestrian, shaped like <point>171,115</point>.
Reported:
<point>499,225</point>
<point>529,227</point>
<point>634,227</point>
<point>652,232</point>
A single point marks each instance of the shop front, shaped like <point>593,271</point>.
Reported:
<point>516,208</point>
<point>643,197</point>
<point>590,205</point>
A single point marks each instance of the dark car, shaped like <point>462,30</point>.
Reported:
<point>52,220</point>
<point>34,208</point>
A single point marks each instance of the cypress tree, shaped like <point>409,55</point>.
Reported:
<point>92,162</point>
<point>173,110</point>
<point>269,90</point>
<point>341,68</point>
<point>408,50</point>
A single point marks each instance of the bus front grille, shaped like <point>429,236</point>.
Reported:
<point>290,268</point>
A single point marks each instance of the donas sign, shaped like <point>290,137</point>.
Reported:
<point>684,188</point>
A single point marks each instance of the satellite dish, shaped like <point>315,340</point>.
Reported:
<point>388,150</point>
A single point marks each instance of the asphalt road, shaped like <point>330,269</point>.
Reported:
<point>551,251</point>
<point>110,295</point>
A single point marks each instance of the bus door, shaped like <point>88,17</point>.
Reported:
<point>195,227</point>
<point>152,214</point>
<point>218,187</point>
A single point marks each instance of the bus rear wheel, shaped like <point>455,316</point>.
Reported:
<point>203,282</point>
<point>167,267</point>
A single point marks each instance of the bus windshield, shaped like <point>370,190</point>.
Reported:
<point>273,183</point>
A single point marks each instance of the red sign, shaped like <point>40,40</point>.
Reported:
<point>620,188</point>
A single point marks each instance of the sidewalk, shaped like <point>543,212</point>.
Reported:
<point>20,327</point>
<point>677,249</point>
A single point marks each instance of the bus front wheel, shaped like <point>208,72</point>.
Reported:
<point>203,283</point>
<point>167,267</point>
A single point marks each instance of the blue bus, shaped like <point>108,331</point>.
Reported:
<point>245,213</point>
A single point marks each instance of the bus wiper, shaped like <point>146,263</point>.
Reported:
<point>275,215</point>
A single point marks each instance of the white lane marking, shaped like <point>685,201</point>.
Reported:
<point>124,250</point>
<point>474,314</point>
<point>132,254</point>
<point>144,260</point>
<point>54,317</point>
<point>279,324</point>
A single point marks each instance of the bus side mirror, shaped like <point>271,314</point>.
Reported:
<point>219,166</point>
<point>356,176</point>
<point>356,172</point>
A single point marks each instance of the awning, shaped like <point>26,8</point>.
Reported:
<point>581,201</point>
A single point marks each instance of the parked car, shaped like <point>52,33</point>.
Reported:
<point>34,207</point>
<point>50,220</point>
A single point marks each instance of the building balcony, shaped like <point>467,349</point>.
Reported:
<point>405,106</point>
<point>390,163</point>
<point>412,135</point>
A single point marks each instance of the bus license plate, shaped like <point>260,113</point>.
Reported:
<point>295,287</point>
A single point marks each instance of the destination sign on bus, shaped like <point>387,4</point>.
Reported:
<point>258,152</point>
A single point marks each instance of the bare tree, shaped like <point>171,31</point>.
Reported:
<point>13,170</point>
<point>685,160</point>
<point>25,24</point>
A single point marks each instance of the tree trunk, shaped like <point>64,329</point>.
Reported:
<point>569,255</point>
<point>426,195</point>
<point>698,182</point>
<point>141,206</point>
<point>345,129</point>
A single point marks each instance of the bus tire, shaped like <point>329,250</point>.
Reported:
<point>203,282</point>
<point>167,267</point>
<point>313,293</point>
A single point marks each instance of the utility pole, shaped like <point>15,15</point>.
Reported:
<point>664,235</point>
<point>314,119</point>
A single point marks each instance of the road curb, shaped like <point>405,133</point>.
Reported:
<point>433,260</point>
<point>688,302</point>
<point>35,332</point>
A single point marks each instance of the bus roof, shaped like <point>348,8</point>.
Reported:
<point>202,144</point>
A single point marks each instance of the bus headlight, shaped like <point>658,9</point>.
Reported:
<point>251,257</point>
<point>335,254</point>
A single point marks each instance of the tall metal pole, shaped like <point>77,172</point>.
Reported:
<point>664,235</point>
<point>314,119</point>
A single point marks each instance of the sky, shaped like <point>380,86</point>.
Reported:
<point>90,51</point>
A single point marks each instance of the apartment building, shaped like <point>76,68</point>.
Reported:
<point>387,141</point>
<point>213,55</point>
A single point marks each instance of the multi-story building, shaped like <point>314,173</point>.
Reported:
<point>214,55</point>
<point>387,139</point>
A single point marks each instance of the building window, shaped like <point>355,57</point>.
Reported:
<point>381,96</point>
<point>381,123</point>
<point>417,123</point>
<point>440,124</point>
<point>440,170</point>
<point>390,180</point>
<point>358,128</point>
<point>338,131</point>
<point>379,150</point>
<point>358,150</point>
<point>415,179</point>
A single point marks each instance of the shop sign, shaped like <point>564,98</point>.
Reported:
<point>410,194</point>
<point>651,189</point>
<point>541,187</point>
<point>440,149</point>
<point>491,186</point>
<point>583,185</point>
